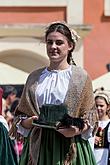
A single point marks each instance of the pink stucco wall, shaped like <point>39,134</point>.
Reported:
<point>97,43</point>
<point>31,14</point>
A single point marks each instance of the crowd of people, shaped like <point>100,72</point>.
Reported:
<point>58,113</point>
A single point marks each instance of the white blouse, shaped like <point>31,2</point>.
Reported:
<point>52,86</point>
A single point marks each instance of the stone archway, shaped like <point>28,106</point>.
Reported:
<point>24,60</point>
<point>24,53</point>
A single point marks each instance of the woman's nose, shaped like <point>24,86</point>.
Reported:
<point>98,107</point>
<point>54,45</point>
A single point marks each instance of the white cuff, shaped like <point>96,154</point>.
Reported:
<point>87,134</point>
<point>20,129</point>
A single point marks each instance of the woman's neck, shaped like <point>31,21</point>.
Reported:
<point>56,66</point>
<point>104,118</point>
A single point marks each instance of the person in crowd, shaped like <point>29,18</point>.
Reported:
<point>62,94</point>
<point>102,137</point>
<point>18,141</point>
<point>9,95</point>
<point>7,153</point>
<point>2,119</point>
<point>9,117</point>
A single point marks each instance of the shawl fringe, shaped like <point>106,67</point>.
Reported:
<point>70,155</point>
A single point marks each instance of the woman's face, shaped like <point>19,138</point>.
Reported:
<point>101,106</point>
<point>57,47</point>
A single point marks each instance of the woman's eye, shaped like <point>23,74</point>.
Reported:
<point>49,42</point>
<point>99,106</point>
<point>59,42</point>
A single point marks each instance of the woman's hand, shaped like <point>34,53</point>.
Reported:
<point>69,132</point>
<point>97,140</point>
<point>86,126</point>
<point>27,123</point>
<point>73,130</point>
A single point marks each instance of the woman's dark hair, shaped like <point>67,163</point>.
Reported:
<point>63,29</point>
<point>7,90</point>
<point>14,105</point>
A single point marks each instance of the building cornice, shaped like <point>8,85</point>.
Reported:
<point>36,30</point>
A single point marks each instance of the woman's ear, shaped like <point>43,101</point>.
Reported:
<point>108,109</point>
<point>72,46</point>
<point>108,112</point>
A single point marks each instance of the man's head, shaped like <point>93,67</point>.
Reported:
<point>9,93</point>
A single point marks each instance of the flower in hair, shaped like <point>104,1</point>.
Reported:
<point>74,35</point>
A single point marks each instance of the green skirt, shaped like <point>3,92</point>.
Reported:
<point>7,152</point>
<point>54,146</point>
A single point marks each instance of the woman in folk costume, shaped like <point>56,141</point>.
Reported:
<point>49,94</point>
<point>102,137</point>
